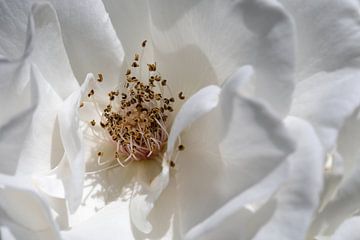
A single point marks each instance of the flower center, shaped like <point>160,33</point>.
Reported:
<point>136,118</point>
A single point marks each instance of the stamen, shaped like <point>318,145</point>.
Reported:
<point>136,118</point>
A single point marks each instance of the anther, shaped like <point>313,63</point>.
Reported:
<point>181,96</point>
<point>81,105</point>
<point>163,82</point>
<point>134,64</point>
<point>152,67</point>
<point>181,147</point>
<point>92,122</point>
<point>100,79</point>
<point>172,164</point>
<point>143,44</point>
<point>91,93</point>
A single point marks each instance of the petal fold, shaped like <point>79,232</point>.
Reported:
<point>235,155</point>
<point>298,200</point>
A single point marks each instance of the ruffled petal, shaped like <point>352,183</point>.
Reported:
<point>234,156</point>
<point>23,211</point>
<point>326,100</point>
<point>298,200</point>
<point>145,195</point>
<point>40,39</point>
<point>44,54</point>
<point>73,165</point>
<point>218,37</point>
<point>90,39</point>
<point>343,205</point>
<point>328,41</point>
<point>14,125</point>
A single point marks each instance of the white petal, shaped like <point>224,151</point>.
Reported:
<point>42,44</point>
<point>90,39</point>
<point>328,41</point>
<point>234,156</point>
<point>132,25</point>
<point>199,104</point>
<point>14,125</point>
<point>109,222</point>
<point>349,230</point>
<point>115,192</point>
<point>325,100</point>
<point>219,36</point>
<point>298,200</point>
<point>145,195</point>
<point>72,139</point>
<point>41,149</point>
<point>23,211</point>
<point>343,205</point>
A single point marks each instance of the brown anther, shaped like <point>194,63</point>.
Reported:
<point>181,147</point>
<point>181,96</point>
<point>157,96</point>
<point>157,78</point>
<point>91,92</point>
<point>128,72</point>
<point>81,104</point>
<point>92,122</point>
<point>170,109</point>
<point>136,58</point>
<point>100,77</point>
<point>152,67</point>
<point>123,96</point>
<point>163,82</point>
<point>99,154</point>
<point>143,44</point>
<point>102,124</point>
<point>172,99</point>
<point>172,164</point>
<point>112,97</point>
<point>135,64</point>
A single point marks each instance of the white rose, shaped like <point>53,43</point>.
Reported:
<point>237,146</point>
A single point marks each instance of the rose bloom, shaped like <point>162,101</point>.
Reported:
<point>238,108</point>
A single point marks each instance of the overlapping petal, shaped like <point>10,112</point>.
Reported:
<point>298,200</point>
<point>237,146</point>
<point>24,211</point>
<point>219,37</point>
<point>90,40</point>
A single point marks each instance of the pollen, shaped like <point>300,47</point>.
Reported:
<point>136,118</point>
